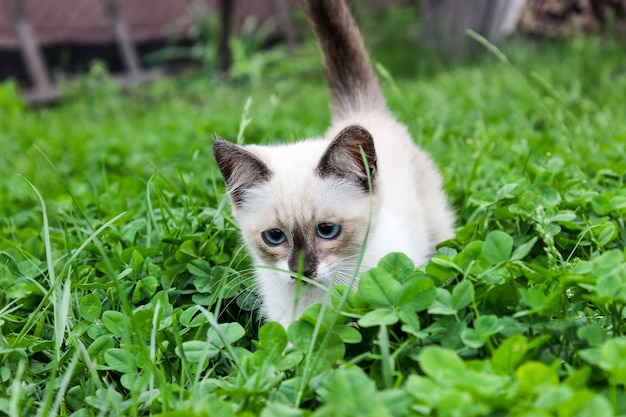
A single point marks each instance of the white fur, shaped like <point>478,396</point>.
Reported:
<point>409,212</point>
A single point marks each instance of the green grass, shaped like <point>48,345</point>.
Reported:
<point>124,289</point>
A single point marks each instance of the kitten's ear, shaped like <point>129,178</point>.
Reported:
<point>343,157</point>
<point>240,168</point>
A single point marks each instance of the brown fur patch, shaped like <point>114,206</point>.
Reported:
<point>343,157</point>
<point>303,247</point>
<point>349,74</point>
<point>240,168</point>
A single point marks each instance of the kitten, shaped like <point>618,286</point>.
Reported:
<point>304,208</point>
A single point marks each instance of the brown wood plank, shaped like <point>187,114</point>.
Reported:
<point>29,47</point>
<point>124,41</point>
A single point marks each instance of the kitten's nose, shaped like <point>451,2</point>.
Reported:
<point>307,273</point>
<point>303,259</point>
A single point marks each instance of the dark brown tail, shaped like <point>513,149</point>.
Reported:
<point>353,85</point>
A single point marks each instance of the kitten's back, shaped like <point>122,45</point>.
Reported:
<point>415,214</point>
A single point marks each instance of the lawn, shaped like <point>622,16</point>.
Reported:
<point>125,291</point>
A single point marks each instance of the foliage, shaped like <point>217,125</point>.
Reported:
<point>253,59</point>
<point>124,289</point>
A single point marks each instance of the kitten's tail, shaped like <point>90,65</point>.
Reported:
<point>353,85</point>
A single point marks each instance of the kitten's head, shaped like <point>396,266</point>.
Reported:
<point>303,207</point>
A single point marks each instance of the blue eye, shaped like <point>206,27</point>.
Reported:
<point>328,230</point>
<point>273,237</point>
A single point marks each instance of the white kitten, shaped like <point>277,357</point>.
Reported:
<point>304,208</point>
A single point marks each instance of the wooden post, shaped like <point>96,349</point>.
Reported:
<point>281,10</point>
<point>124,41</point>
<point>33,58</point>
<point>445,22</point>
<point>224,56</point>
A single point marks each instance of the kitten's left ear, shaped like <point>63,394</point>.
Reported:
<point>240,168</point>
<point>343,157</point>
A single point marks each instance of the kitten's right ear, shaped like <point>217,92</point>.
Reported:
<point>343,157</point>
<point>240,168</point>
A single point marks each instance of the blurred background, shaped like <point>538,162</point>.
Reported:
<point>44,45</point>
